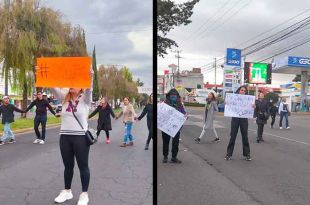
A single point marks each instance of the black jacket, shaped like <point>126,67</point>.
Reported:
<point>7,112</point>
<point>261,111</point>
<point>104,120</point>
<point>41,107</point>
<point>148,109</point>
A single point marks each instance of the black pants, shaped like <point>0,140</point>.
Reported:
<point>273,119</point>
<point>175,144</point>
<point>260,130</point>
<point>106,132</point>
<point>235,124</point>
<point>75,146</point>
<point>150,128</point>
<point>37,120</point>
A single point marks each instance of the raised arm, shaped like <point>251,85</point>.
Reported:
<point>17,109</point>
<point>112,113</point>
<point>50,107</point>
<point>30,106</point>
<point>144,112</point>
<point>87,97</point>
<point>93,113</point>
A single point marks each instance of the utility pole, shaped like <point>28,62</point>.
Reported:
<point>178,57</point>
<point>215,75</point>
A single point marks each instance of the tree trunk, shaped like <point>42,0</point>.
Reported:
<point>25,98</point>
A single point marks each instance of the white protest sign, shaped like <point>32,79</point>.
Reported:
<point>169,120</point>
<point>237,105</point>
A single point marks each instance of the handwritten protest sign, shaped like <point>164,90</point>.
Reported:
<point>237,105</point>
<point>169,120</point>
<point>63,72</point>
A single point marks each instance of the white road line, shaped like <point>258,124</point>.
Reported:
<point>284,138</point>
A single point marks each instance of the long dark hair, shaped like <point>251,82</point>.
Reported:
<point>213,97</point>
<point>243,86</point>
<point>175,92</point>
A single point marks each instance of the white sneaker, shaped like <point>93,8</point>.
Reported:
<point>281,128</point>
<point>36,141</point>
<point>288,128</point>
<point>41,142</point>
<point>83,200</point>
<point>64,196</point>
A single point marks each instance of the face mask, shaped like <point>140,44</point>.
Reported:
<point>173,98</point>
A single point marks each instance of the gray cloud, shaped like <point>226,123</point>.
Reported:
<point>254,18</point>
<point>108,24</point>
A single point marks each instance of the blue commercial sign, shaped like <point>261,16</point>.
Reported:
<point>298,61</point>
<point>233,57</point>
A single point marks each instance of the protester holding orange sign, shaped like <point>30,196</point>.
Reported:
<point>78,100</point>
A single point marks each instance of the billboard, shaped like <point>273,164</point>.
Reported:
<point>298,61</point>
<point>233,57</point>
<point>257,73</point>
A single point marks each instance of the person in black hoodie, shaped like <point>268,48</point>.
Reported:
<point>41,116</point>
<point>273,114</point>
<point>243,124</point>
<point>261,113</point>
<point>104,119</point>
<point>7,111</point>
<point>173,99</point>
<point>148,109</point>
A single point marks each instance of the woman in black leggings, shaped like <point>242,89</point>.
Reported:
<point>104,119</point>
<point>73,141</point>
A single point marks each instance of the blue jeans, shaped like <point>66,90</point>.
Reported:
<point>127,135</point>
<point>285,114</point>
<point>7,133</point>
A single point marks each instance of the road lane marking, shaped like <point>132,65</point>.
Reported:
<point>284,138</point>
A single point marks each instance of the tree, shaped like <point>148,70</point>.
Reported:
<point>271,96</point>
<point>170,15</point>
<point>95,80</point>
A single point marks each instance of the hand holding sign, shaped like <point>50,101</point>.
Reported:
<point>240,106</point>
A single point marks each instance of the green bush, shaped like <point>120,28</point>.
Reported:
<point>193,104</point>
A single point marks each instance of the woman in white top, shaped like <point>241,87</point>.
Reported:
<point>284,112</point>
<point>73,141</point>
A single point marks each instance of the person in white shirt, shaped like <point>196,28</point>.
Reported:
<point>284,111</point>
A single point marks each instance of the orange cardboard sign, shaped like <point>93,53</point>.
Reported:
<point>63,72</point>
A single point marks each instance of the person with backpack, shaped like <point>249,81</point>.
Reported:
<point>261,114</point>
<point>284,111</point>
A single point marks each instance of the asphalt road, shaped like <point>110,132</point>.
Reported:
<point>32,174</point>
<point>278,174</point>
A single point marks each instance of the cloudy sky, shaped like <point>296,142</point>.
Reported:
<point>121,31</point>
<point>220,24</point>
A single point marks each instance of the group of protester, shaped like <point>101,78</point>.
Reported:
<point>76,102</point>
<point>262,111</point>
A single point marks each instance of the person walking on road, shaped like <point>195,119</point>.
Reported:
<point>129,115</point>
<point>7,111</point>
<point>41,116</point>
<point>148,109</point>
<point>243,124</point>
<point>273,114</point>
<point>72,141</point>
<point>284,111</point>
<point>261,113</point>
<point>209,116</point>
<point>173,99</point>
<point>104,119</point>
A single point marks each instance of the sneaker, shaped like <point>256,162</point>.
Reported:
<point>216,140</point>
<point>2,143</point>
<point>165,160</point>
<point>130,143</point>
<point>146,147</point>
<point>227,157</point>
<point>64,196</point>
<point>262,140</point>
<point>271,126</point>
<point>83,199</point>
<point>123,145</point>
<point>288,128</point>
<point>281,128</point>
<point>175,160</point>
<point>36,141</point>
<point>248,158</point>
<point>42,142</point>
<point>11,141</point>
<point>107,141</point>
<point>197,140</point>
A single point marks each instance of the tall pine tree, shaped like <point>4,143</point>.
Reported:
<point>95,80</point>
